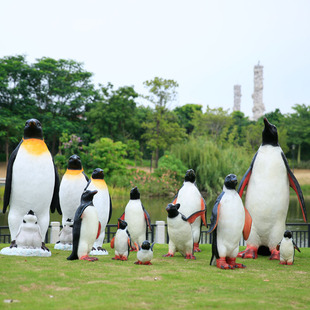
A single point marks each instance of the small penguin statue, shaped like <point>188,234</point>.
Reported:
<point>191,201</point>
<point>287,249</point>
<point>229,219</point>
<point>66,234</point>
<point>29,235</point>
<point>121,242</point>
<point>145,253</point>
<point>86,228</point>
<point>180,231</point>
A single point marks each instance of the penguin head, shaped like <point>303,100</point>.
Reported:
<point>98,174</point>
<point>190,176</point>
<point>146,245</point>
<point>69,223</point>
<point>288,234</point>
<point>231,181</point>
<point>173,210</point>
<point>88,196</point>
<point>270,134</point>
<point>134,193</point>
<point>122,224</point>
<point>74,162</point>
<point>33,129</point>
<point>30,217</point>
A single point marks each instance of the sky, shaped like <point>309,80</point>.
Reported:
<point>206,46</point>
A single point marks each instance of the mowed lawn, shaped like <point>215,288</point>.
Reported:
<point>170,283</point>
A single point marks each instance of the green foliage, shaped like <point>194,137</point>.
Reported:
<point>172,163</point>
<point>170,283</point>
<point>212,162</point>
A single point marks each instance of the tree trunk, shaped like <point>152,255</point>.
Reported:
<point>156,157</point>
<point>7,150</point>
<point>298,154</point>
<point>151,163</point>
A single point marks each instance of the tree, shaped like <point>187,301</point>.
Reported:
<point>162,129</point>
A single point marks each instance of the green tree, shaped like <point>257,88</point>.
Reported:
<point>162,129</point>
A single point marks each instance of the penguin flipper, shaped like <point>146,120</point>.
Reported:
<point>99,230</point>
<point>191,219</point>
<point>147,218</point>
<point>55,205</point>
<point>295,185</point>
<point>76,237</point>
<point>8,180</point>
<point>203,207</point>
<point>110,211</point>
<point>152,246</point>
<point>215,213</point>
<point>245,180</point>
<point>296,247</point>
<point>112,242</point>
<point>215,253</point>
<point>247,224</point>
<point>86,177</point>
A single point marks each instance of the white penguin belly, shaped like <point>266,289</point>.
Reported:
<point>134,216</point>
<point>230,224</point>
<point>70,192</point>
<point>180,234</point>
<point>33,180</point>
<point>145,255</point>
<point>121,242</point>
<point>89,230</point>
<point>286,250</point>
<point>267,197</point>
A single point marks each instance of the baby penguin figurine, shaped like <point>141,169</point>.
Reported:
<point>287,249</point>
<point>145,253</point>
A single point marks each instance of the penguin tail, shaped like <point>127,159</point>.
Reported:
<point>72,257</point>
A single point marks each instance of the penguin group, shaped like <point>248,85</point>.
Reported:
<point>86,208</point>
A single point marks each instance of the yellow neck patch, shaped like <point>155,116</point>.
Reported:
<point>73,172</point>
<point>34,146</point>
<point>99,183</point>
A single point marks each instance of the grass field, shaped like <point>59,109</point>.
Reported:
<point>170,283</point>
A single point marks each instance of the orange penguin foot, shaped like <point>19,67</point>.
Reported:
<point>190,256</point>
<point>123,258</point>
<point>168,255</point>
<point>88,258</point>
<point>232,262</point>
<point>222,264</point>
<point>196,247</point>
<point>116,257</point>
<point>138,262</point>
<point>283,262</point>
<point>275,255</point>
<point>249,252</point>
<point>147,263</point>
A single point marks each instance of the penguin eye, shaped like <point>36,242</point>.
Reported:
<point>36,222</point>
<point>24,221</point>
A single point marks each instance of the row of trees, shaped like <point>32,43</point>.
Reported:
<point>99,122</point>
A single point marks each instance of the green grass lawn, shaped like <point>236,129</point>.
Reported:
<point>170,283</point>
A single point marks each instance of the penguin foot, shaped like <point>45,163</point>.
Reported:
<point>283,263</point>
<point>147,263</point>
<point>222,264</point>
<point>123,258</point>
<point>190,256</point>
<point>138,262</point>
<point>196,247</point>
<point>232,262</point>
<point>275,255</point>
<point>43,247</point>
<point>13,244</point>
<point>117,257</point>
<point>168,255</point>
<point>88,258</point>
<point>249,252</point>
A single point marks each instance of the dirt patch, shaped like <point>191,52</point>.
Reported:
<point>302,175</point>
<point>2,170</point>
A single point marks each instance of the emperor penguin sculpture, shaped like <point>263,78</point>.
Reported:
<point>267,197</point>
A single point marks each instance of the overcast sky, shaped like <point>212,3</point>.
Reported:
<point>206,46</point>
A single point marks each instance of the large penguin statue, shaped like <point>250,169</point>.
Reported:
<point>191,201</point>
<point>86,228</point>
<point>31,181</point>
<point>229,219</point>
<point>180,232</point>
<point>137,218</point>
<point>71,188</point>
<point>103,204</point>
<point>267,197</point>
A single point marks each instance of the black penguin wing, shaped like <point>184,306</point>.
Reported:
<point>147,218</point>
<point>76,238</point>
<point>296,247</point>
<point>55,205</point>
<point>8,180</point>
<point>295,185</point>
<point>215,253</point>
<point>191,219</point>
<point>88,182</point>
<point>245,180</point>
<point>152,246</point>
<point>86,177</point>
<point>110,211</point>
<point>215,213</point>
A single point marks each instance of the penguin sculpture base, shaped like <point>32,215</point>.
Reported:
<point>138,262</point>
<point>120,257</point>
<point>88,258</point>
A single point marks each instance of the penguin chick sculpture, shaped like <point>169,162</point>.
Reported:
<point>287,249</point>
<point>229,218</point>
<point>66,234</point>
<point>29,235</point>
<point>267,197</point>
<point>137,218</point>
<point>121,242</point>
<point>71,188</point>
<point>86,228</point>
<point>145,253</point>
<point>180,232</point>
<point>31,181</point>
<point>191,201</point>
<point>103,204</point>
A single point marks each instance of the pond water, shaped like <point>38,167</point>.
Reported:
<point>155,206</point>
